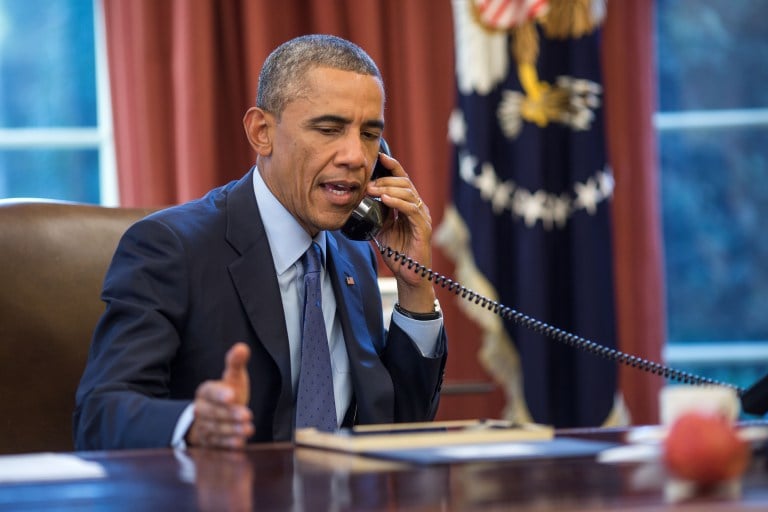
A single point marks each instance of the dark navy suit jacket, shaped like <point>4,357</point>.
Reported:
<point>187,283</point>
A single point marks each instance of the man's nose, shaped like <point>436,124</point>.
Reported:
<point>352,152</point>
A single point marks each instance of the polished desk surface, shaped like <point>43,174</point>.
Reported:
<point>284,477</point>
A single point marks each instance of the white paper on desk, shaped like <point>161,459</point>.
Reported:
<point>35,467</point>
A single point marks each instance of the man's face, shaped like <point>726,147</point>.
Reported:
<point>324,147</point>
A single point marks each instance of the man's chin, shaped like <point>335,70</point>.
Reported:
<point>334,222</point>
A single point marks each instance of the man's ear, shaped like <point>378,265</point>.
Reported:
<point>258,128</point>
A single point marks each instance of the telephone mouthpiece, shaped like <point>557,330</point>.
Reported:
<point>366,221</point>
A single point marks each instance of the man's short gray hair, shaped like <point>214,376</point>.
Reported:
<point>282,77</point>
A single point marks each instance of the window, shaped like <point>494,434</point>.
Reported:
<point>713,127</point>
<point>55,119</point>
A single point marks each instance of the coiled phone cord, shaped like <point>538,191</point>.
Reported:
<point>548,330</point>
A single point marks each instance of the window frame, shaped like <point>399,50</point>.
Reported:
<point>99,138</point>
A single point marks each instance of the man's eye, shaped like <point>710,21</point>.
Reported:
<point>371,135</point>
<point>328,130</point>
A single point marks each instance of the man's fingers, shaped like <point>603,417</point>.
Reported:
<point>236,372</point>
<point>218,435</point>
<point>220,411</point>
<point>216,392</point>
<point>222,441</point>
<point>239,428</point>
<point>219,424</point>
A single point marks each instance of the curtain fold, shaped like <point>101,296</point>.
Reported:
<point>183,73</point>
<point>139,53</point>
<point>630,95</point>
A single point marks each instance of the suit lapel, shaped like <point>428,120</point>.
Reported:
<point>372,385</point>
<point>253,275</point>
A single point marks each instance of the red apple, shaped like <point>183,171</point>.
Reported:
<point>705,448</point>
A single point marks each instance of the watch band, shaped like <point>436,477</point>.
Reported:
<point>433,315</point>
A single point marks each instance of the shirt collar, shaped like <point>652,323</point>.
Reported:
<point>287,239</point>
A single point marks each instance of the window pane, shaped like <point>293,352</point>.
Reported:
<point>47,63</point>
<point>742,374</point>
<point>71,175</point>
<point>715,202</point>
<point>712,54</point>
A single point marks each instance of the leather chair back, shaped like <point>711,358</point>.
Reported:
<point>53,257</point>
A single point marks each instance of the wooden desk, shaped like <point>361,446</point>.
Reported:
<point>281,477</point>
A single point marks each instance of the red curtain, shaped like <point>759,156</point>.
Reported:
<point>630,98</point>
<point>183,73</point>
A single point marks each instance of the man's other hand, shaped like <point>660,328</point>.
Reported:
<point>222,417</point>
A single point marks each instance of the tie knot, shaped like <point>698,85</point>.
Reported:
<point>312,259</point>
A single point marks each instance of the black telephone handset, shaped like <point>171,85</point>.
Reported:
<point>369,216</point>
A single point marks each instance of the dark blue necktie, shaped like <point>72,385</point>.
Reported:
<point>315,406</point>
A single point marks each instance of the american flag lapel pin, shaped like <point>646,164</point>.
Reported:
<point>350,281</point>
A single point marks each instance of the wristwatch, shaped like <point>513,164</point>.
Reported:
<point>433,315</point>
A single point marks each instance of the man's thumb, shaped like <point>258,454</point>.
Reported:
<point>236,372</point>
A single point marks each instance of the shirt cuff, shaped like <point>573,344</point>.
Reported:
<point>423,332</point>
<point>182,426</point>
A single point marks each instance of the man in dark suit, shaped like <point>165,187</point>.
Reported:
<point>200,343</point>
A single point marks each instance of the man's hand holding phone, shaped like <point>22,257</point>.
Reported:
<point>408,231</point>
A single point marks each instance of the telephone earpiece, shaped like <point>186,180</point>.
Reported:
<point>369,216</point>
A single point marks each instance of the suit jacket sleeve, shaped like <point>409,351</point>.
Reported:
<point>416,379</point>
<point>123,399</point>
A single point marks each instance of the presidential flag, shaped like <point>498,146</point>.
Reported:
<point>529,224</point>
